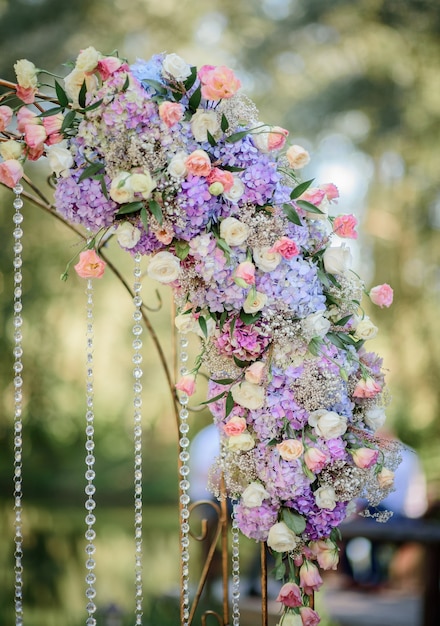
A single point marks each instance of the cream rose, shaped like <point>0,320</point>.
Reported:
<point>375,418</point>
<point>235,192</point>
<point>365,329</point>
<point>142,183</point>
<point>328,424</point>
<point>164,267</point>
<point>60,159</point>
<point>88,59</point>
<point>233,231</point>
<point>248,395</point>
<point>315,325</point>
<point>253,495</point>
<point>265,260</point>
<point>325,497</point>
<point>120,190</point>
<point>281,538</point>
<point>11,149</point>
<point>241,443</point>
<point>203,121</point>
<point>74,81</point>
<point>185,323</point>
<point>255,301</point>
<point>127,235</point>
<point>26,73</point>
<point>176,67</point>
<point>337,259</point>
<point>290,449</point>
<point>385,478</point>
<point>254,373</point>
<point>297,156</point>
<point>177,166</point>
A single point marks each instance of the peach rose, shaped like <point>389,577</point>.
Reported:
<point>344,226</point>
<point>298,157</point>
<point>326,553</point>
<point>226,179</point>
<point>364,457</point>
<point>385,478</point>
<point>198,163</point>
<point>170,113</point>
<point>90,265</point>
<point>6,114</point>
<point>35,135</point>
<point>315,459</point>
<point>235,426</point>
<point>290,449</point>
<point>254,373</point>
<point>367,388</point>
<point>187,384</point>
<point>218,82</point>
<point>10,172</point>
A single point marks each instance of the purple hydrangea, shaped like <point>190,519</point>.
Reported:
<point>255,522</point>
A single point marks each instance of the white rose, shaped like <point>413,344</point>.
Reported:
<point>261,138</point>
<point>120,190</point>
<point>375,418</point>
<point>325,497</point>
<point>233,231</point>
<point>248,395</point>
<point>297,156</point>
<point>337,259</point>
<point>142,183</point>
<point>236,191</point>
<point>74,81</point>
<point>253,495</point>
<point>203,121</point>
<point>11,149</point>
<point>365,329</point>
<point>210,328</point>
<point>60,158</point>
<point>281,538</point>
<point>87,59</point>
<point>26,74</point>
<point>241,443</point>
<point>315,325</point>
<point>176,67</point>
<point>328,424</point>
<point>177,166</point>
<point>164,267</point>
<point>127,235</point>
<point>255,301</point>
<point>184,323</point>
<point>266,261</point>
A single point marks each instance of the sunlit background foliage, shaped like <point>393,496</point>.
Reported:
<point>357,82</point>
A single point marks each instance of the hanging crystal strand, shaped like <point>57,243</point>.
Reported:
<point>184,486</point>
<point>137,404</point>
<point>235,571</point>
<point>90,489</point>
<point>18,406</point>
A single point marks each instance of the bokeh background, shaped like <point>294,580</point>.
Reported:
<point>357,82</point>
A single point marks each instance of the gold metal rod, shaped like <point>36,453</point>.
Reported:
<point>263,558</point>
<point>224,543</point>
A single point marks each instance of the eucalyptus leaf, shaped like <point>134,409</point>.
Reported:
<point>291,214</point>
<point>130,207</point>
<point>182,249</point>
<point>195,99</point>
<point>203,326</point>
<point>224,124</point>
<point>237,136</point>
<point>229,404</point>
<point>91,170</point>
<point>68,121</point>
<point>82,95</point>
<point>156,210</point>
<point>61,95</point>
<point>249,318</point>
<point>309,207</point>
<point>300,189</point>
<point>144,218</point>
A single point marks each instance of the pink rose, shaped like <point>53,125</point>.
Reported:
<point>366,388</point>
<point>26,94</point>
<point>218,82</point>
<point>108,66</point>
<point>315,459</point>
<point>235,426</point>
<point>344,226</point>
<point>35,135</point>
<point>33,154</point>
<point>364,457</point>
<point>382,295</point>
<point>10,172</point>
<point>314,195</point>
<point>217,175</point>
<point>286,247</point>
<point>25,117</point>
<point>330,190</point>
<point>90,265</point>
<point>198,163</point>
<point>52,124</point>
<point>187,384</point>
<point>290,595</point>
<point>309,617</point>
<point>309,578</point>
<point>254,373</point>
<point>277,138</point>
<point>244,274</point>
<point>170,113</point>
<point>6,114</point>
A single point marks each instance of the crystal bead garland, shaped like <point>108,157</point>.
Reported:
<point>18,405</point>
<point>90,463</point>
<point>184,486</point>
<point>235,571</point>
<point>137,404</point>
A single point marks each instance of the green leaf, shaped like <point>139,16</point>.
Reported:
<point>224,124</point>
<point>130,207</point>
<point>215,398</point>
<point>314,346</point>
<point>144,218</point>
<point>155,210</point>
<point>279,571</point>
<point>249,318</point>
<point>189,82</point>
<point>223,381</point>
<point>195,99</point>
<point>295,522</point>
<point>68,121</point>
<point>336,340</point>
<point>52,111</point>
<point>157,86</point>
<point>93,106</point>
<point>309,207</point>
<point>229,404</point>
<point>91,170</point>
<point>61,95</point>
<point>101,179</point>
<point>236,136</point>
<point>223,318</point>
<point>182,249</point>
<point>336,535</point>
<point>221,243</point>
<point>239,363</point>
<point>344,320</point>
<point>291,214</point>
<point>203,326</point>
<point>233,168</point>
<point>212,141</point>
<point>300,189</point>
<point>126,83</point>
<point>82,95</point>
